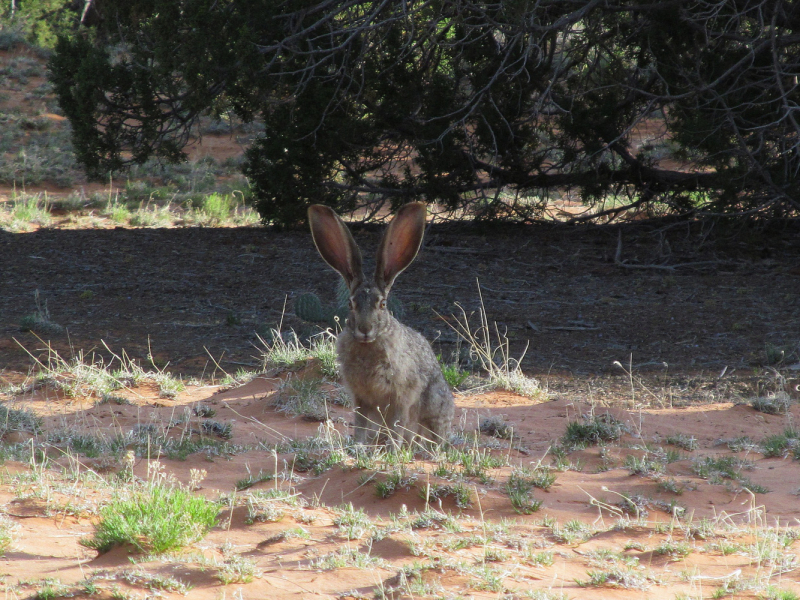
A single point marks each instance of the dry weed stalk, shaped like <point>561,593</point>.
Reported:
<point>492,349</point>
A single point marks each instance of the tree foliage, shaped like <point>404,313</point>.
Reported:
<point>487,109</point>
<point>38,21</point>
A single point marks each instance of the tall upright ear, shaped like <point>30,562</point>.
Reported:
<point>335,244</point>
<point>400,243</point>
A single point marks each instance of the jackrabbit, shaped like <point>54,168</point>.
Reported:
<point>389,369</point>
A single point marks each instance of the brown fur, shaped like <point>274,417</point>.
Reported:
<point>388,368</point>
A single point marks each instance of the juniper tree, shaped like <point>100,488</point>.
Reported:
<point>487,108</point>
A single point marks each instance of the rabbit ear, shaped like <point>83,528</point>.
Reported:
<point>335,244</point>
<point>400,244</point>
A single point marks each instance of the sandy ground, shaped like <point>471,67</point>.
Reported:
<point>696,537</point>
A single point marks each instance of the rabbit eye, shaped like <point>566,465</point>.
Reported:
<point>382,304</point>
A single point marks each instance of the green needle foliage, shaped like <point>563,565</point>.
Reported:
<point>490,109</point>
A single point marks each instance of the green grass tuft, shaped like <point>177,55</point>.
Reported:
<point>25,213</point>
<point>453,374</point>
<point>157,519</point>
<point>8,531</point>
<point>596,430</point>
<point>14,419</point>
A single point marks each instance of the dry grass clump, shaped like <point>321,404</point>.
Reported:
<point>490,348</point>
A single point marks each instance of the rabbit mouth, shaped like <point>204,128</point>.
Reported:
<point>365,338</point>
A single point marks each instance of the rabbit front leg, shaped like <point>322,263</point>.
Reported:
<point>402,421</point>
<point>398,428</point>
<point>367,425</point>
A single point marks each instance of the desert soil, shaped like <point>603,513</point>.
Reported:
<point>691,537</point>
<point>670,328</point>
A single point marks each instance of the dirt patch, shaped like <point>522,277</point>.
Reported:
<point>185,293</point>
<point>601,527</point>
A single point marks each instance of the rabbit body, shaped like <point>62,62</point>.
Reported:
<point>395,381</point>
<point>389,369</point>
